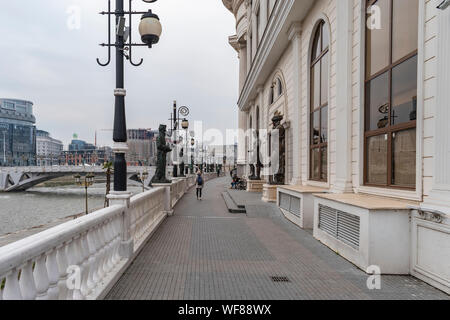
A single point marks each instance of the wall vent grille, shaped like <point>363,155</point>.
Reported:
<point>341,225</point>
<point>291,204</point>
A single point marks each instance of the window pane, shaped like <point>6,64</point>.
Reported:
<point>315,127</point>
<point>404,158</point>
<point>377,148</point>
<point>324,79</point>
<point>324,169</point>
<point>377,102</point>
<point>405,28</point>
<point>404,92</point>
<point>315,174</point>
<point>325,36</point>
<point>324,125</point>
<point>316,50</point>
<point>378,48</point>
<point>315,82</point>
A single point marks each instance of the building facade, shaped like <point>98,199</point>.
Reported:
<point>17,133</point>
<point>361,87</point>
<point>141,147</point>
<point>48,149</point>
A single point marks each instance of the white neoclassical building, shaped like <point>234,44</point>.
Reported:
<point>362,88</point>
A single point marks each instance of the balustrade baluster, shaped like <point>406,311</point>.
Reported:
<point>41,278</point>
<point>108,235</point>
<point>53,275</point>
<point>61,258</point>
<point>26,281</point>
<point>77,260</point>
<point>12,287</point>
<point>84,250</point>
<point>104,250</point>
<point>91,261</point>
<point>96,277</point>
<point>101,251</point>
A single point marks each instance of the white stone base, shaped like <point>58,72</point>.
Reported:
<point>255,185</point>
<point>269,193</point>
<point>384,237</point>
<point>430,251</point>
<point>297,204</point>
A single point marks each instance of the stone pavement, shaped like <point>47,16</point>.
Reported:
<point>205,253</point>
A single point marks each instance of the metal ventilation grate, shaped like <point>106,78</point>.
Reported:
<point>291,204</point>
<point>341,225</point>
<point>280,279</point>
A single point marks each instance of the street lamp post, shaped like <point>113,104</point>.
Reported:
<point>175,117</point>
<point>142,177</point>
<point>150,31</point>
<point>185,126</point>
<point>86,183</point>
<point>192,155</point>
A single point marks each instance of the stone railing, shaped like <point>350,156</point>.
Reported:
<point>84,258</point>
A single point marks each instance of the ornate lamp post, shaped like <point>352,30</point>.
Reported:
<point>150,30</point>
<point>86,183</point>
<point>192,155</point>
<point>175,117</point>
<point>185,126</point>
<point>142,177</point>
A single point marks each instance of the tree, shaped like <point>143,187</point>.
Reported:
<point>108,166</point>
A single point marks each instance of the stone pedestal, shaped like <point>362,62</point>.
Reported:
<point>126,248</point>
<point>269,193</point>
<point>255,185</point>
<point>167,197</point>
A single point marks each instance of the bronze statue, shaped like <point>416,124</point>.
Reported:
<point>163,149</point>
<point>279,177</point>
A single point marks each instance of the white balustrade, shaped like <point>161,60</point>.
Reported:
<point>75,260</point>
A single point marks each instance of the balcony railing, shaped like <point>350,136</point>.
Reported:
<point>82,258</point>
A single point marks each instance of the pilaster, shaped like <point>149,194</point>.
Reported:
<point>295,38</point>
<point>344,53</point>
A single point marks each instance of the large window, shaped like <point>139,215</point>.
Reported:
<point>319,104</point>
<point>391,94</point>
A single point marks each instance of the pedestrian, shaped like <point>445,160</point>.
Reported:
<point>199,183</point>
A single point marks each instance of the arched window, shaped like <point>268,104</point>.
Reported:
<point>319,104</point>
<point>391,94</point>
<point>272,95</point>
<point>280,87</point>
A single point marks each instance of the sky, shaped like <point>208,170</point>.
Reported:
<point>48,56</point>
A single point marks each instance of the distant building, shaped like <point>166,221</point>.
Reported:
<point>17,133</point>
<point>80,152</point>
<point>48,149</point>
<point>141,147</point>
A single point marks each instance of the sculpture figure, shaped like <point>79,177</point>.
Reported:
<point>280,174</point>
<point>163,149</point>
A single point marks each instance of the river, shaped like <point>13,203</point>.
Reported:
<point>43,205</point>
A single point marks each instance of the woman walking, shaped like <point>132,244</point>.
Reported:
<point>199,183</point>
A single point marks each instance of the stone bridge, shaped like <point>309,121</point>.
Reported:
<point>23,178</point>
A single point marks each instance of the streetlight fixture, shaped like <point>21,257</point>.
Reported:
<point>185,126</point>
<point>192,155</point>
<point>142,177</point>
<point>88,181</point>
<point>175,117</point>
<point>150,30</point>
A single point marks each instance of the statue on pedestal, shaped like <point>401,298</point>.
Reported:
<point>163,149</point>
<point>278,151</point>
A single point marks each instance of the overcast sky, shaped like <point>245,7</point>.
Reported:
<point>54,66</point>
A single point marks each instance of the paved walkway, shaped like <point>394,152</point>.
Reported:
<point>205,253</point>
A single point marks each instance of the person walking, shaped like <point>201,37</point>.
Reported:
<point>199,182</point>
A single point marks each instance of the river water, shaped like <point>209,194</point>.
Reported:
<point>42,205</point>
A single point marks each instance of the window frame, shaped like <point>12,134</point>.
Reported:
<point>390,129</point>
<point>313,62</point>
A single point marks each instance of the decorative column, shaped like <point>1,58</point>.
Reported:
<point>241,156</point>
<point>242,64</point>
<point>344,34</point>
<point>295,38</point>
<point>263,14</point>
<point>439,198</point>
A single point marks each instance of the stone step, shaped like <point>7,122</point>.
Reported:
<point>231,205</point>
